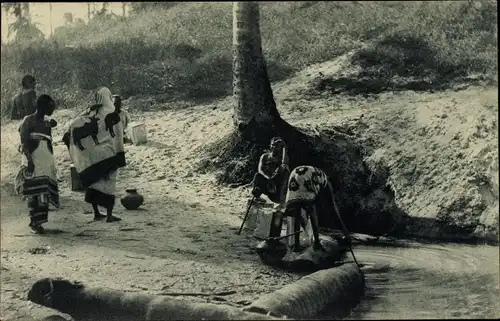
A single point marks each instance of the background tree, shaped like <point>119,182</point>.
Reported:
<point>104,9</point>
<point>255,116</point>
<point>254,106</point>
<point>137,7</point>
<point>23,27</point>
<point>50,19</point>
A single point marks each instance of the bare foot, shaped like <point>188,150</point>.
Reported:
<point>37,229</point>
<point>318,247</point>
<point>98,217</point>
<point>111,219</point>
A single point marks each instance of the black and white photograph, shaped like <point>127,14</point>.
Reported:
<point>272,160</point>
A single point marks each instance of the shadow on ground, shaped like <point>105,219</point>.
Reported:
<point>150,231</point>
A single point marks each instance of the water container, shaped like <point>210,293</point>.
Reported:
<point>76,184</point>
<point>253,215</point>
<point>137,133</point>
<point>262,214</point>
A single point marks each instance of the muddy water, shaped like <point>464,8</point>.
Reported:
<point>414,280</point>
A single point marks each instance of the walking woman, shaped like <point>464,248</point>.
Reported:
<point>95,143</point>
<point>39,176</point>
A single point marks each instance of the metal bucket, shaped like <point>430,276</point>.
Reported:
<point>259,219</point>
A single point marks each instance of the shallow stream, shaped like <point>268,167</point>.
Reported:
<point>412,280</point>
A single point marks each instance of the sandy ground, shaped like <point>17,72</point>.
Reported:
<point>183,239</point>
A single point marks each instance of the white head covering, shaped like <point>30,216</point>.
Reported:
<point>104,97</point>
<point>108,146</point>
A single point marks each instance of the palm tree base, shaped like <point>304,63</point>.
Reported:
<point>334,149</point>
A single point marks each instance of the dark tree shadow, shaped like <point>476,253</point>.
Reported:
<point>398,62</point>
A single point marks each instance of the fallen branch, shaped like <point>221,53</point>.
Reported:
<point>170,285</point>
<point>134,257</point>
<point>128,229</point>
<point>224,293</point>
<point>336,289</point>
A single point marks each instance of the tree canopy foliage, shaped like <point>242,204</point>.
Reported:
<point>23,27</point>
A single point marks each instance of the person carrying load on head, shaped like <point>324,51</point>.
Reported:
<point>273,171</point>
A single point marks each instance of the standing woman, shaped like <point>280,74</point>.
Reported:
<point>39,176</point>
<point>95,143</point>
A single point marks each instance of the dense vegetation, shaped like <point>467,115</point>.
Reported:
<point>183,51</point>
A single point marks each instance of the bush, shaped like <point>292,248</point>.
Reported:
<point>452,41</point>
<point>184,50</point>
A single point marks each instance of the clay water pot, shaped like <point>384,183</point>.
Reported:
<point>132,200</point>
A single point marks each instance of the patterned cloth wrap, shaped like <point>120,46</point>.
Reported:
<point>304,186</point>
<point>96,148</point>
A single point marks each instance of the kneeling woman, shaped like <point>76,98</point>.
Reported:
<point>39,180</point>
<point>95,143</point>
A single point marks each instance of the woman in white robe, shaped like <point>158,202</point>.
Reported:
<point>95,143</point>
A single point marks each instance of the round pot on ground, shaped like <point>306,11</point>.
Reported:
<point>132,200</point>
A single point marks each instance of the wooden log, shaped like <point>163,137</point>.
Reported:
<point>95,304</point>
<point>312,294</point>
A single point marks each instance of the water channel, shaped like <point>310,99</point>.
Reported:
<point>416,280</point>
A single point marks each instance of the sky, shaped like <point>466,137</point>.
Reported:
<point>40,13</point>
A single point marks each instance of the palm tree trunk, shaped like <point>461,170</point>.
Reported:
<point>8,24</point>
<point>88,10</point>
<point>50,18</point>
<point>254,101</point>
<point>26,9</point>
<point>124,5</point>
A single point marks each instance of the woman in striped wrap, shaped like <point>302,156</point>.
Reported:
<point>39,176</point>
